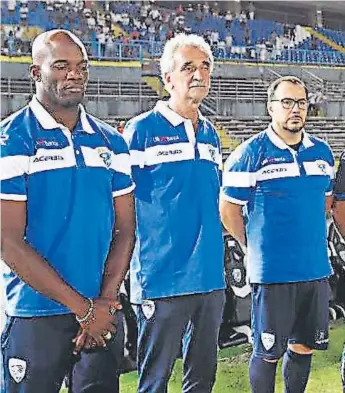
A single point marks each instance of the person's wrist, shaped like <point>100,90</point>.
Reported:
<point>80,306</point>
<point>89,315</point>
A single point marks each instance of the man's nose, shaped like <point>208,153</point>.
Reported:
<point>74,73</point>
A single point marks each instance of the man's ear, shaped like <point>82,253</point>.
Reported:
<point>269,108</point>
<point>168,80</point>
<point>35,73</point>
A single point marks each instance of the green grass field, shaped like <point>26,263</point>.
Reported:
<point>233,363</point>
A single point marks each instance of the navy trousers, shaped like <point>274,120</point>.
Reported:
<point>171,326</point>
<point>37,355</point>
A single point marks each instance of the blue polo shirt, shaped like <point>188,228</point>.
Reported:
<point>283,196</point>
<point>179,247</point>
<point>339,189</point>
<point>68,181</point>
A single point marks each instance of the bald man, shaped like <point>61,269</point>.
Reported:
<point>65,177</point>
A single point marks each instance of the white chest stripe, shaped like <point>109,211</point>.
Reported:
<point>102,157</point>
<point>210,153</point>
<point>13,166</point>
<point>169,153</point>
<point>319,168</point>
<point>277,171</point>
<point>50,159</point>
<point>239,179</point>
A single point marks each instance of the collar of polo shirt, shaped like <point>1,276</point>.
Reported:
<point>274,138</point>
<point>174,118</point>
<point>49,123</point>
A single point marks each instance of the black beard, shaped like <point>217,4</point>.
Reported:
<point>293,130</point>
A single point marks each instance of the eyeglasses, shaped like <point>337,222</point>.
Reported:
<point>289,103</point>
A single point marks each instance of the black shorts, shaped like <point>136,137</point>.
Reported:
<point>295,313</point>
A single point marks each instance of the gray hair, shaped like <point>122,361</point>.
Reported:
<point>292,79</point>
<point>180,41</point>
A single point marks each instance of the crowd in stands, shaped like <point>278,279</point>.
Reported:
<point>113,28</point>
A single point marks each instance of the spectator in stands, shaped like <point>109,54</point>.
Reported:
<point>287,257</point>
<point>206,8</point>
<point>101,41</point>
<point>247,36</point>
<point>179,10</point>
<point>63,276</point>
<point>228,19</point>
<point>121,127</point>
<point>18,39</point>
<point>109,46</point>
<point>199,14</point>
<point>179,294</point>
<point>339,217</point>
<point>318,103</point>
<point>251,11</point>
<point>11,43</point>
<point>242,18</point>
<point>228,42</point>
<point>11,6</point>
<point>24,10</point>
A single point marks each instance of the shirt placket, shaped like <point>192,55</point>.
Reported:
<point>74,142</point>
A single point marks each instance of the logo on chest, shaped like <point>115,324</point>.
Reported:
<point>166,138</point>
<point>44,143</point>
<point>212,152</point>
<point>105,155</point>
<point>322,166</point>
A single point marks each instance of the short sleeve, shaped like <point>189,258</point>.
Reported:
<point>339,188</point>
<point>136,145</point>
<point>239,175</point>
<point>331,173</point>
<point>120,165</point>
<point>14,164</point>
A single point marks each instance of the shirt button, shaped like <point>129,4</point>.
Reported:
<point>77,151</point>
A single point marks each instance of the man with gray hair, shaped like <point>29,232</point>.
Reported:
<point>177,273</point>
<point>277,188</point>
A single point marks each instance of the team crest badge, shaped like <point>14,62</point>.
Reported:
<point>17,369</point>
<point>3,138</point>
<point>148,307</point>
<point>105,154</point>
<point>212,152</point>
<point>268,340</point>
<point>322,166</point>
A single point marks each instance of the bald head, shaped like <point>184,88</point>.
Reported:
<point>59,68</point>
<point>45,42</point>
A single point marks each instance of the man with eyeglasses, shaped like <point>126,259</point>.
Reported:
<point>277,188</point>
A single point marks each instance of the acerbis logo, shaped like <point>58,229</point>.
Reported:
<point>169,152</point>
<point>273,170</point>
<point>48,158</point>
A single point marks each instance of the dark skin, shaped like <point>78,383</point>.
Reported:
<point>339,215</point>
<point>60,72</point>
